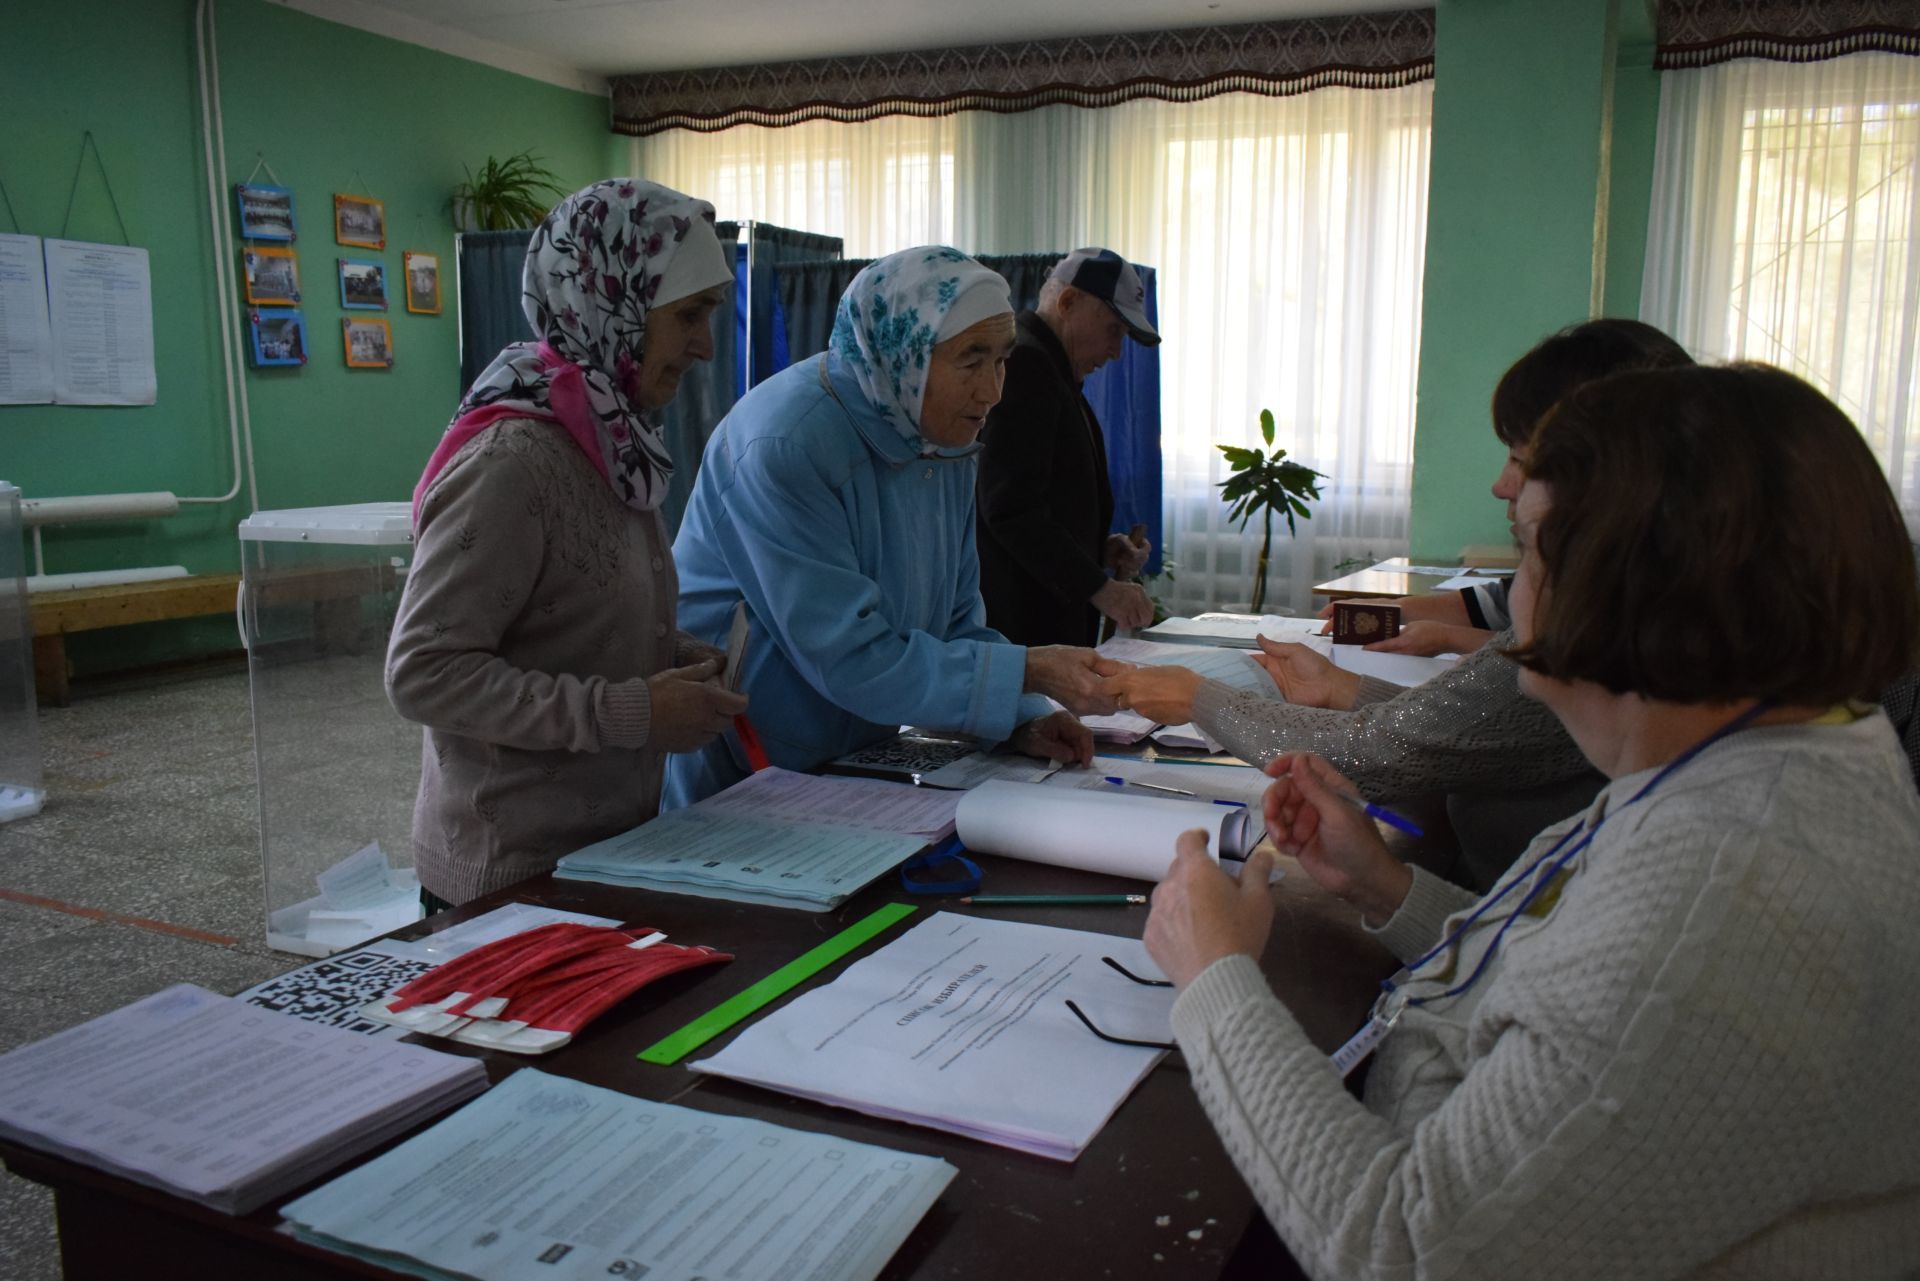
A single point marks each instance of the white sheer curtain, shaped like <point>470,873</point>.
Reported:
<point>1289,238</point>
<point>1786,228</point>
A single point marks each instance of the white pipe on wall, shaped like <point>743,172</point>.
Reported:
<point>103,578</point>
<point>35,512</point>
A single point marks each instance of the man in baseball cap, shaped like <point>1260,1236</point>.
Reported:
<point>1049,564</point>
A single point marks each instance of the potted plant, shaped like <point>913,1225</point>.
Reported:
<point>1266,483</point>
<point>515,192</point>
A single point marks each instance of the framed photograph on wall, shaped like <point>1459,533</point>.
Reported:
<point>363,285</point>
<point>369,343</point>
<point>273,276</point>
<point>278,337</point>
<point>423,282</point>
<point>359,220</point>
<point>266,213</point>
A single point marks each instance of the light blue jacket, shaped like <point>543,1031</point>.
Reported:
<point>854,553</point>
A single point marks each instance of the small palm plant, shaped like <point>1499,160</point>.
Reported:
<point>515,192</point>
<point>1267,483</point>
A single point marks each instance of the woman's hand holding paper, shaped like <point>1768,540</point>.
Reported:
<point>1159,693</point>
<point>1200,914</point>
<point>1306,677</point>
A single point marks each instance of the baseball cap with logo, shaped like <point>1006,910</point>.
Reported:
<point>1107,276</point>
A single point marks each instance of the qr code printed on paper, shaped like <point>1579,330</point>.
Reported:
<point>333,991</point>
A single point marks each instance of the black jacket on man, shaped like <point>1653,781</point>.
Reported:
<point>1045,504</point>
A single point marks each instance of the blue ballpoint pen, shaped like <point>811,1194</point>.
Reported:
<point>1382,813</point>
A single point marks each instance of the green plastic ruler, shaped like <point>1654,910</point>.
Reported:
<point>671,1049</point>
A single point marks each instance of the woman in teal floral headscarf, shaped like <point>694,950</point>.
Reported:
<point>836,500</point>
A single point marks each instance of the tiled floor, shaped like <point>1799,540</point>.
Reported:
<point>151,818</point>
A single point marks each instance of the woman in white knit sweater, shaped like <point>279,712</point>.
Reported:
<point>1676,1040</point>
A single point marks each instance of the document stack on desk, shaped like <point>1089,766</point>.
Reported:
<point>547,1177</point>
<point>210,1099</point>
<point>1231,667</point>
<point>962,1024</point>
<point>776,838</point>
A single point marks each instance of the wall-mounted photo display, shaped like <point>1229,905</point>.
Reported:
<point>266,213</point>
<point>423,282</point>
<point>359,220</point>
<point>279,337</point>
<point>369,343</point>
<point>273,276</point>
<point>363,285</point>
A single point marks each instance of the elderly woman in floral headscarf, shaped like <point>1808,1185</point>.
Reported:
<point>836,500</point>
<point>536,640</point>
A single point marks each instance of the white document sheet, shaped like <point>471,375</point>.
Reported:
<point>1188,735</point>
<point>547,1177</point>
<point>100,300</point>
<point>776,795</point>
<point>961,1024</point>
<point>971,771</point>
<point>1119,727</point>
<point>26,334</point>
<point>1401,669</point>
<point>1105,829</point>
<point>216,1100</point>
<point>1228,666</point>
<point>1242,783</point>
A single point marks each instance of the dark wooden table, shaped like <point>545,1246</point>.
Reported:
<point>1154,1195</point>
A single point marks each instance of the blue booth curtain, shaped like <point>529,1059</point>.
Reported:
<point>489,265</point>
<point>769,247</point>
<point>1125,394</point>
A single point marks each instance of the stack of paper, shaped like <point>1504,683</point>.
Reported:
<point>962,1024</point>
<point>1232,631</point>
<point>547,1177</point>
<point>777,838</point>
<point>216,1101</point>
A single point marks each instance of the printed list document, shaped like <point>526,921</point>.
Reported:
<point>961,1024</point>
<point>217,1101</point>
<point>100,299</point>
<point>776,838</point>
<point>26,335</point>
<point>548,1177</point>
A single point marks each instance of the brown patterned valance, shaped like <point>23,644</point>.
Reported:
<point>1370,51</point>
<point>1699,33</point>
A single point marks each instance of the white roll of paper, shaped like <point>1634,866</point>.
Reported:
<point>1111,832</point>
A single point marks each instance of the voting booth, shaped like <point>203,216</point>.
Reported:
<point>337,766</point>
<point>21,791</point>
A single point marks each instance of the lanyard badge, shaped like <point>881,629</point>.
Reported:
<point>1386,1012</point>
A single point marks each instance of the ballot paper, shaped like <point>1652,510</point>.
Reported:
<point>214,1100</point>
<point>1119,727</point>
<point>776,838</point>
<point>961,1024</point>
<point>1400,669</point>
<point>548,1177</point>
<point>971,771</point>
<point>1231,667</point>
<point>1188,735</point>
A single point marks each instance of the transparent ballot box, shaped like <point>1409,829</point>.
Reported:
<point>337,766</point>
<point>21,790</point>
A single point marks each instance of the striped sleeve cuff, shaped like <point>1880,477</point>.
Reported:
<point>625,714</point>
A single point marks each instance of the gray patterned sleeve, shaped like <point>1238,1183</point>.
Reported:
<point>1467,728</point>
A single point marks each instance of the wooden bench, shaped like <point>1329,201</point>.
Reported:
<point>56,615</point>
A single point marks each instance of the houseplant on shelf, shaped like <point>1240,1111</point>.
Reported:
<point>515,192</point>
<point>1266,483</point>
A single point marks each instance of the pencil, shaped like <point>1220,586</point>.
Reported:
<point>1055,900</point>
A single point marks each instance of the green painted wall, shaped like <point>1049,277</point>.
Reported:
<point>1520,112</point>
<point>331,109</point>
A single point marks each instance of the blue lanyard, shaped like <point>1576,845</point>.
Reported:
<point>1559,861</point>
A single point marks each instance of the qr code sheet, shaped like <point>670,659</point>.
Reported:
<point>334,990</point>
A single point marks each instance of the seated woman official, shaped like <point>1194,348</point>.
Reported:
<point>837,501</point>
<point>536,637</point>
<point>1505,761</point>
<point>1673,1041</point>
